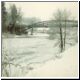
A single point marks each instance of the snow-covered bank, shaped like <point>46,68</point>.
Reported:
<point>67,66</point>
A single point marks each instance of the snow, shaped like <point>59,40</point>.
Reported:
<point>41,29</point>
<point>41,35</point>
<point>34,56</point>
<point>29,53</point>
<point>30,49</point>
<point>67,66</point>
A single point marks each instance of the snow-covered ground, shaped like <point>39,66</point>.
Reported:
<point>32,52</point>
<point>29,53</point>
<point>67,66</point>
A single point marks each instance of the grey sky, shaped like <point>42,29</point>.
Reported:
<point>44,10</point>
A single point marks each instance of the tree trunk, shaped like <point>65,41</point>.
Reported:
<point>65,35</point>
<point>61,39</point>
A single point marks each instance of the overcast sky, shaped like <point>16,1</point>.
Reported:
<point>44,10</point>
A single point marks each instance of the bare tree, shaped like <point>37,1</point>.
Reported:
<point>62,17</point>
<point>58,18</point>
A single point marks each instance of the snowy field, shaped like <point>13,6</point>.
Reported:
<point>27,53</point>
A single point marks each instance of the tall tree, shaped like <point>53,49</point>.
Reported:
<point>58,18</point>
<point>4,17</point>
<point>13,17</point>
<point>62,16</point>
